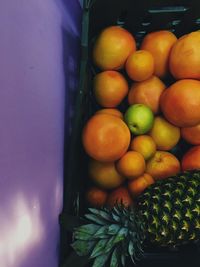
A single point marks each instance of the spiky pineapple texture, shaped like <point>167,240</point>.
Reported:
<point>167,214</point>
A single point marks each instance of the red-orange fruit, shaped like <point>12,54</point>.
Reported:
<point>180,103</point>
<point>184,60</point>
<point>106,137</point>
<point>191,160</point>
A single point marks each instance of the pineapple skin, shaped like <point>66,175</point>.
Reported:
<point>170,210</point>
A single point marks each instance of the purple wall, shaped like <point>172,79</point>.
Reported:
<point>39,47</point>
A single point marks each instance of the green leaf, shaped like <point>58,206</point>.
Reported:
<point>83,248</point>
<point>88,228</point>
<point>113,229</point>
<point>100,261</point>
<point>122,234</point>
<point>116,218</point>
<point>100,213</point>
<point>95,219</point>
<point>82,236</point>
<point>131,251</point>
<point>102,232</point>
<point>123,260</point>
<point>99,248</point>
<point>110,244</point>
<point>114,259</point>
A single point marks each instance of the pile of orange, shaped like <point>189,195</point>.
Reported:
<point>122,165</point>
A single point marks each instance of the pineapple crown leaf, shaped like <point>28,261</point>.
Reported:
<point>110,235</point>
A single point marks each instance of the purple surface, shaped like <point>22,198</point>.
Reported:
<point>39,48</point>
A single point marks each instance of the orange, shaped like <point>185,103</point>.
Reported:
<point>145,145</point>
<point>104,174</point>
<point>180,103</point>
<point>162,165</point>
<point>119,195</point>
<point>147,92</point>
<point>191,160</point>
<point>106,137</point>
<point>159,44</point>
<point>191,134</point>
<point>110,88</point>
<point>184,58</point>
<point>140,65</point>
<point>96,197</point>
<point>111,111</point>
<point>131,165</point>
<point>138,185</point>
<point>112,48</point>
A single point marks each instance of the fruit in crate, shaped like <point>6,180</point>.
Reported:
<point>159,44</point>
<point>165,216</point>
<point>96,197</point>
<point>104,174</point>
<point>164,134</point>
<point>110,111</point>
<point>184,60</point>
<point>145,145</point>
<point>162,165</point>
<point>139,119</point>
<point>191,159</point>
<point>147,92</point>
<point>105,137</point>
<point>180,103</point>
<point>112,48</point>
<point>131,164</point>
<point>138,185</point>
<point>140,65</point>
<point>110,88</point>
<point>119,195</point>
<point>191,134</point>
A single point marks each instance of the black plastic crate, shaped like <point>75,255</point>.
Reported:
<point>138,17</point>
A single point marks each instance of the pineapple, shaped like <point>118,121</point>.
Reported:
<point>167,214</point>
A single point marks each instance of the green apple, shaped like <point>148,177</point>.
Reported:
<point>139,119</point>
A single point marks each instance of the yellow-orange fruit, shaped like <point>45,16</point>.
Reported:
<point>112,48</point>
<point>159,44</point>
<point>104,174</point>
<point>110,88</point>
<point>140,65</point>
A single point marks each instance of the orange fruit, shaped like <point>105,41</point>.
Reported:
<point>119,195</point>
<point>131,165</point>
<point>147,92</point>
<point>112,48</point>
<point>138,185</point>
<point>140,65</point>
<point>191,159</point>
<point>164,134</point>
<point>162,165</point>
<point>111,111</point>
<point>110,88</point>
<point>145,145</point>
<point>191,134</point>
<point>184,60</point>
<point>96,197</point>
<point>106,137</point>
<point>159,44</point>
<point>104,174</point>
<point>180,103</point>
